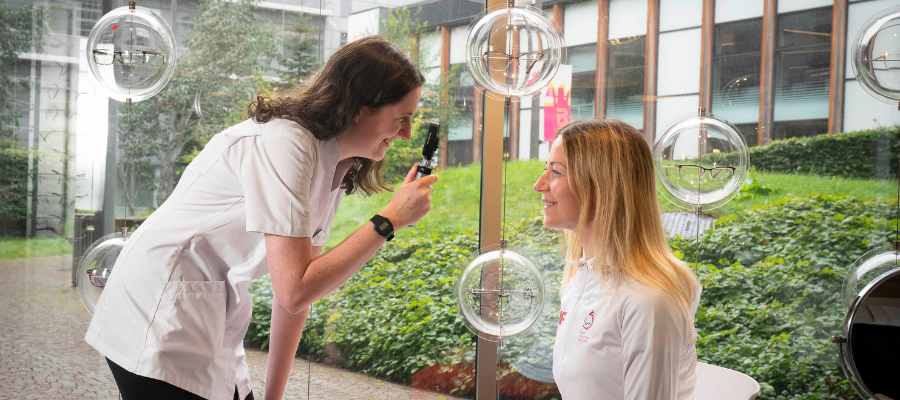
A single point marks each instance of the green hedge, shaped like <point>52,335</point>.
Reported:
<point>771,299</point>
<point>862,154</point>
<point>13,192</point>
<point>772,278</point>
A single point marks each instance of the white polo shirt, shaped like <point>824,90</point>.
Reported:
<point>176,307</point>
<point>634,344</point>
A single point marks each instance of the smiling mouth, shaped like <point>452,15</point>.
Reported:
<point>388,141</point>
<point>549,204</point>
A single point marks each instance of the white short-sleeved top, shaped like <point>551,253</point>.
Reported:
<point>631,343</point>
<point>176,307</point>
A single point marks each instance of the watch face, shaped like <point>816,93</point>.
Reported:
<point>383,226</point>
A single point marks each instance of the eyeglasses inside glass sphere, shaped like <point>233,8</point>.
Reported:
<point>876,55</point>
<point>513,51</point>
<point>131,53</point>
<point>96,266</point>
<point>700,161</point>
<point>501,295</point>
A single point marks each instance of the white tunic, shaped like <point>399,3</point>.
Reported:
<point>632,344</point>
<point>176,307</point>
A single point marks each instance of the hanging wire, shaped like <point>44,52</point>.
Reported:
<point>505,158</point>
<point>309,331</point>
<point>698,210</point>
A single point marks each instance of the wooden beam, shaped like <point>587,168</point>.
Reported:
<point>838,60</point>
<point>490,227</point>
<point>513,114</point>
<point>558,17</point>
<point>650,68</point>
<point>600,79</point>
<point>767,74</point>
<point>477,123</point>
<point>706,50</point>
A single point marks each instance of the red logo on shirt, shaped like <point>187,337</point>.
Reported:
<point>589,320</point>
<point>562,317</point>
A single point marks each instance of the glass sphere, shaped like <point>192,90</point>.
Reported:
<point>700,160</point>
<point>866,269</point>
<point>876,55</point>
<point>501,295</point>
<point>226,98</point>
<point>96,266</point>
<point>131,52</point>
<point>513,51</point>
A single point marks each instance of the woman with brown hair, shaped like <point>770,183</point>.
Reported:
<point>626,323</point>
<point>260,198</point>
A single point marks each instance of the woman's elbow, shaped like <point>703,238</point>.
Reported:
<point>292,302</point>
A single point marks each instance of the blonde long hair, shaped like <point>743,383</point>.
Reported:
<point>611,175</point>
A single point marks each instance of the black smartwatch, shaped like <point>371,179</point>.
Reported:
<point>383,226</point>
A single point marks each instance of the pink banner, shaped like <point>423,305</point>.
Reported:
<point>557,102</point>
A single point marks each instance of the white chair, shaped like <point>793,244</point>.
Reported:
<point>717,383</point>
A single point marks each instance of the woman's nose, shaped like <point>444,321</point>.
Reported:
<point>406,131</point>
<point>539,185</point>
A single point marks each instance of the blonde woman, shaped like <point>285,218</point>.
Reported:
<point>626,325</point>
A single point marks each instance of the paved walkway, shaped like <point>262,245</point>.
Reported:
<point>43,354</point>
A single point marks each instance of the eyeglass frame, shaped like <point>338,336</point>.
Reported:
<point>484,57</point>
<point>885,60</point>
<point>527,293</point>
<point>98,276</point>
<point>117,55</point>
<point>700,168</point>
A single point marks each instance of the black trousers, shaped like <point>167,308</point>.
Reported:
<point>136,387</point>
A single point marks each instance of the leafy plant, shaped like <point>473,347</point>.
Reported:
<point>13,192</point>
<point>771,300</point>
<point>21,30</point>
<point>864,154</point>
<point>229,52</point>
<point>771,280</point>
<point>753,187</point>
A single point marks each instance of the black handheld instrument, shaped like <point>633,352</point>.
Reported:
<point>431,144</point>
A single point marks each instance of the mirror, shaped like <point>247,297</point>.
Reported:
<point>869,348</point>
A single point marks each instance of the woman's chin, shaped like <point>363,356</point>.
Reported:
<point>548,223</point>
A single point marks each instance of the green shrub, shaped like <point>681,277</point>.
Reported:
<point>771,299</point>
<point>771,280</point>
<point>398,313</point>
<point>13,192</point>
<point>863,154</point>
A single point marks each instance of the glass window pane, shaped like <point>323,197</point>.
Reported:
<point>625,85</point>
<point>736,68</point>
<point>802,64</point>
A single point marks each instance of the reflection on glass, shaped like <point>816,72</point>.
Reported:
<point>875,331</point>
<point>625,90</point>
<point>735,68</point>
<point>802,72</point>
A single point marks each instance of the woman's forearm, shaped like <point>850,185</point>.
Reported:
<point>299,283</point>
<point>284,336</point>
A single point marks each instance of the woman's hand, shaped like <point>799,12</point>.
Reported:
<point>411,201</point>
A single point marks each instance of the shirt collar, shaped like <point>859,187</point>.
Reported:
<point>331,154</point>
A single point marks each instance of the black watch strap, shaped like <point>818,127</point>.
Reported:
<point>383,226</point>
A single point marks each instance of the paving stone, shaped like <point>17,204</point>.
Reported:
<point>43,354</point>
